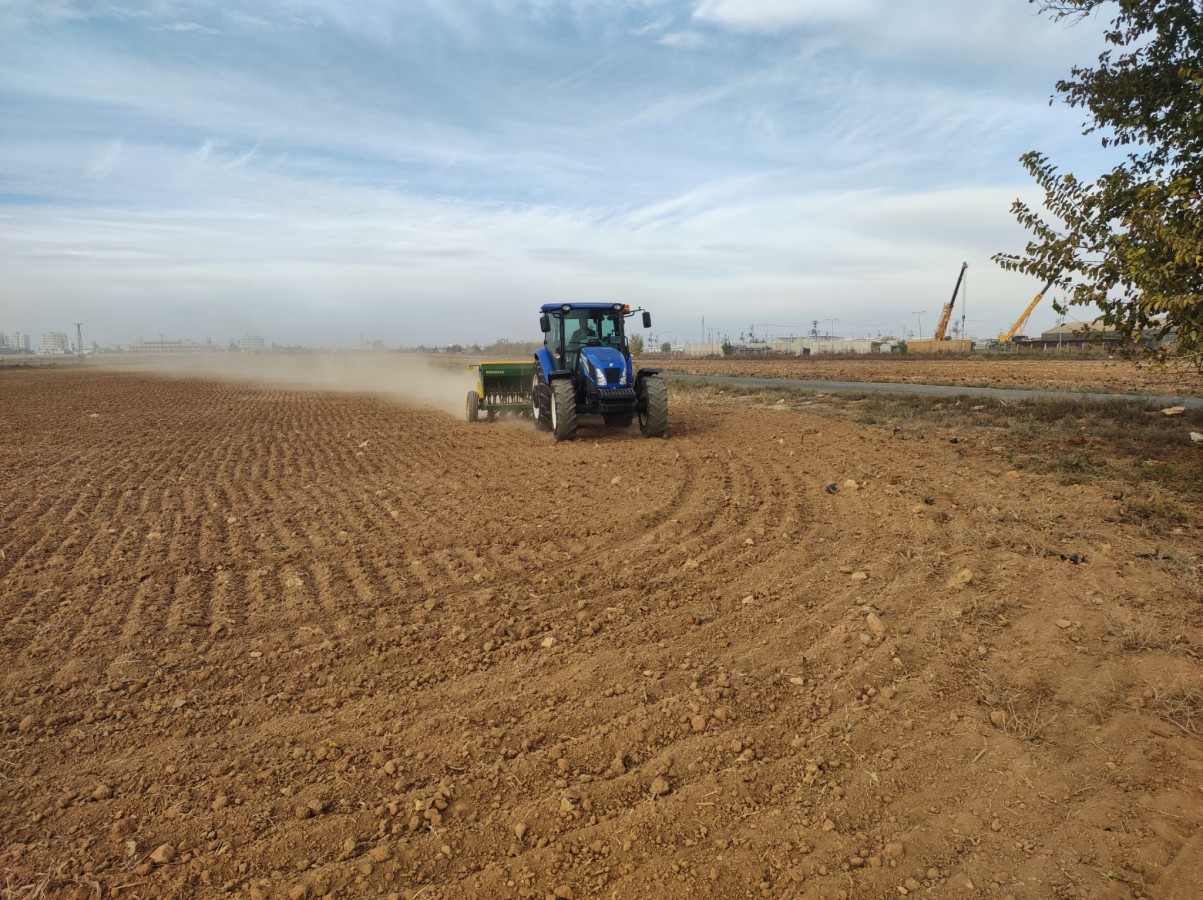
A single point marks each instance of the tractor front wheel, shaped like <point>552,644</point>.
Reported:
<point>563,410</point>
<point>653,412</point>
<point>540,396</point>
<point>473,406</point>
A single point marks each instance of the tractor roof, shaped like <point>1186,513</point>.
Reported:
<point>558,307</point>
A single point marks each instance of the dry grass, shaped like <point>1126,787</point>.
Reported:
<point>1144,458</point>
<point>1140,633</point>
<point>1155,511</point>
<point>1027,721</point>
<point>16,888</point>
<point>1181,705</point>
<point>1027,712</point>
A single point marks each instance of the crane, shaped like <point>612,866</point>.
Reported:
<point>1007,336</point>
<point>942,328</point>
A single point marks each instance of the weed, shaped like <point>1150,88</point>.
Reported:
<point>1025,709</point>
<point>1027,722</point>
<point>1181,706</point>
<point>1154,511</point>
<point>1142,633</point>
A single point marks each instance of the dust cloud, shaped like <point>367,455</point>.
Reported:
<point>436,383</point>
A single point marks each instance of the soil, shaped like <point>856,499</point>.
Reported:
<point>263,641</point>
<point>1035,372</point>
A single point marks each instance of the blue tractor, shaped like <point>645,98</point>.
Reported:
<point>584,368</point>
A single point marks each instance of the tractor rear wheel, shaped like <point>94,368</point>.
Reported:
<point>540,403</point>
<point>653,415</point>
<point>473,406</point>
<point>563,410</point>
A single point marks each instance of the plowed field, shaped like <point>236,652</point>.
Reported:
<point>267,641</point>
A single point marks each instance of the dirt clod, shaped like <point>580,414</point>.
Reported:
<point>162,854</point>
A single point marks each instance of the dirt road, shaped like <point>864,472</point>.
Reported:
<point>261,642</point>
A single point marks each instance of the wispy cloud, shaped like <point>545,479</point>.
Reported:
<point>185,27</point>
<point>774,15</point>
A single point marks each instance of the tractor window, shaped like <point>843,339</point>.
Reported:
<point>581,328</point>
<point>552,339</point>
<point>593,327</point>
<point>611,334</point>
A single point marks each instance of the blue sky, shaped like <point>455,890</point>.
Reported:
<point>430,171</point>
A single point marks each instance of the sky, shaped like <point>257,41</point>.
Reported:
<point>330,172</point>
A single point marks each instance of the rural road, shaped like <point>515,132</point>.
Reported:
<point>937,390</point>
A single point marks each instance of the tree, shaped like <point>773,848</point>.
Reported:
<point>636,343</point>
<point>666,348</point>
<point>1131,242</point>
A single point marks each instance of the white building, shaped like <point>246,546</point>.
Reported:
<point>55,342</point>
<point>793,346</point>
<point>252,344</point>
<point>165,346</point>
<point>14,342</point>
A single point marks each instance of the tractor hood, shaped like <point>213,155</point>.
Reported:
<point>601,359</point>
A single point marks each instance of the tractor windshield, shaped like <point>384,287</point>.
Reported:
<point>593,328</point>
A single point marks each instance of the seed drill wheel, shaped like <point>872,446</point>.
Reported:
<point>653,417</point>
<point>473,406</point>
<point>563,410</point>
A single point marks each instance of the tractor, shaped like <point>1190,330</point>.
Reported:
<point>584,368</point>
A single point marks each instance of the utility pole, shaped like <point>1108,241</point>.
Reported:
<point>79,338</point>
<point>919,313</point>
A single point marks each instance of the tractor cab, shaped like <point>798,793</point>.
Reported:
<point>573,328</point>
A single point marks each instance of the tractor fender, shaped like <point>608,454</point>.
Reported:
<point>544,363</point>
<point>545,366</point>
<point>645,373</point>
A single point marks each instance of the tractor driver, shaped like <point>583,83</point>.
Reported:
<point>585,332</point>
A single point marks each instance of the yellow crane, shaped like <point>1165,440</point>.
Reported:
<point>1007,336</point>
<point>942,328</point>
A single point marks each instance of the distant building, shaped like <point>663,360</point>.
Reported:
<point>930,345</point>
<point>1095,330</point>
<point>252,344</point>
<point>789,346</point>
<point>166,346</point>
<point>14,342</point>
<point>55,342</point>
<point>1073,334</point>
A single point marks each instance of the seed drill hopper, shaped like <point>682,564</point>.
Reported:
<point>502,388</point>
